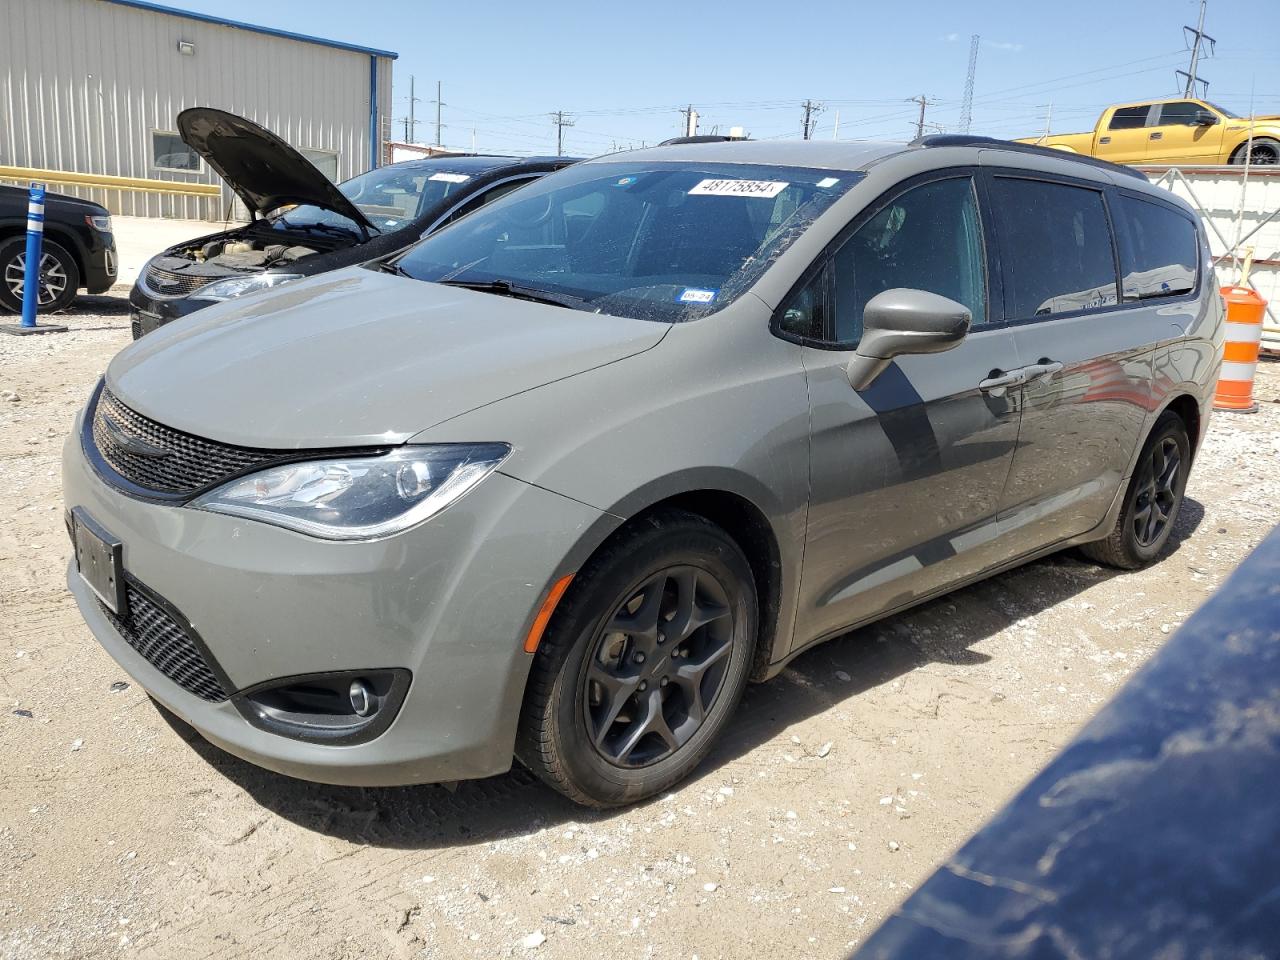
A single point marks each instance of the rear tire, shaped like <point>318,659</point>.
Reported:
<point>643,662</point>
<point>59,275</point>
<point>1152,502</point>
<point>1266,152</point>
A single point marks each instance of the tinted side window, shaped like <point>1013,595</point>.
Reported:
<point>929,238</point>
<point>805,313</point>
<point>1126,118</point>
<point>1055,246</point>
<point>1162,251</point>
<point>1182,112</point>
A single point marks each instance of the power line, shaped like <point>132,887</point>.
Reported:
<point>924,102</point>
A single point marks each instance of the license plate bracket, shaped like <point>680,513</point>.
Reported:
<point>100,560</point>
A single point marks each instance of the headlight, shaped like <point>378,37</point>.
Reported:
<point>101,224</point>
<point>239,286</point>
<point>358,498</point>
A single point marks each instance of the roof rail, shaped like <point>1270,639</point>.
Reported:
<point>702,138</point>
<point>966,140</point>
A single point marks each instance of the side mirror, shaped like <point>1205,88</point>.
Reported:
<point>902,321</point>
<point>1204,119</point>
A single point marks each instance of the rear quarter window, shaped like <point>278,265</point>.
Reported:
<point>1160,251</point>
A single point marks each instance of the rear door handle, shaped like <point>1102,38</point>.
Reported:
<point>997,385</point>
<point>1042,370</point>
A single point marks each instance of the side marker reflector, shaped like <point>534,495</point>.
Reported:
<point>544,614</point>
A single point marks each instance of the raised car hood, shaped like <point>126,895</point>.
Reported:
<point>357,357</point>
<point>264,171</point>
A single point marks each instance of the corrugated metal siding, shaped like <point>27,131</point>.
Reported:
<point>83,83</point>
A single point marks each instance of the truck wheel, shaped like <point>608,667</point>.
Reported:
<point>1266,152</point>
<point>59,275</point>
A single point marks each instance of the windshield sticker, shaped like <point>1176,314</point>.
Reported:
<point>450,177</point>
<point>739,188</point>
<point>828,181</point>
<point>625,181</point>
<point>695,295</point>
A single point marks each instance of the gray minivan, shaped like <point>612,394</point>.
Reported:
<point>555,482</point>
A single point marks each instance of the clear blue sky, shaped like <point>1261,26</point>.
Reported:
<point>622,70</point>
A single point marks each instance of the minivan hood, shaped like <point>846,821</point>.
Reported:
<point>358,357</point>
<point>264,171</point>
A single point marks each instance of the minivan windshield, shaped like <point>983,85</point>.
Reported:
<point>650,240</point>
<point>391,198</point>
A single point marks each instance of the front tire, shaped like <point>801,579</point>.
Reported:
<point>1152,502</point>
<point>59,275</point>
<point>1265,152</point>
<point>642,664</point>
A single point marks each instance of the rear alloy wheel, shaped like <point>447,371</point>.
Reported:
<point>59,276</point>
<point>1263,152</point>
<point>1152,501</point>
<point>642,664</point>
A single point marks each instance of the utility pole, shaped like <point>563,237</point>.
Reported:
<point>1198,37</point>
<point>559,119</point>
<point>811,111</point>
<point>439,103</point>
<point>835,133</point>
<point>410,122</point>
<point>924,102</point>
<point>966,105</point>
<point>690,121</point>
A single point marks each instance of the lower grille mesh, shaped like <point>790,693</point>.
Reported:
<point>150,630</point>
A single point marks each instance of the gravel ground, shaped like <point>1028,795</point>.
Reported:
<point>844,782</point>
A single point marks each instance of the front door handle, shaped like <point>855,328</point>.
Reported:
<point>1042,370</point>
<point>998,382</point>
<point>1157,135</point>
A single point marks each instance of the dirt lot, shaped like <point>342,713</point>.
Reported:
<point>846,781</point>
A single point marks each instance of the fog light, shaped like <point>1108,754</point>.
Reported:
<point>362,700</point>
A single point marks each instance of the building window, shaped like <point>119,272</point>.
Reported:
<point>168,152</point>
<point>326,161</point>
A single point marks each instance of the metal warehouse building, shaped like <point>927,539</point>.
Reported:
<point>89,90</point>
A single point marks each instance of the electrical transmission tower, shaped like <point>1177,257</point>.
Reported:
<point>561,121</point>
<point>811,111</point>
<point>1197,37</point>
<point>966,105</point>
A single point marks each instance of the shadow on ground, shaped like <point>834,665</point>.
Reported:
<point>517,803</point>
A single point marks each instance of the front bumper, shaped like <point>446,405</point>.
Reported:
<point>147,313</point>
<point>450,600</point>
<point>101,264</point>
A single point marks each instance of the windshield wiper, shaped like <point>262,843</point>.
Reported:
<point>399,271</point>
<point>505,288</point>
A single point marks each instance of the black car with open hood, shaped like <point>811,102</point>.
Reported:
<point>302,223</point>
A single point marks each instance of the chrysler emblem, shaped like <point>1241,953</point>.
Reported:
<point>131,444</point>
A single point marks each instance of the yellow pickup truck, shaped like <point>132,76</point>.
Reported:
<point>1172,131</point>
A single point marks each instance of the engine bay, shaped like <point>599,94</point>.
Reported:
<point>238,254</point>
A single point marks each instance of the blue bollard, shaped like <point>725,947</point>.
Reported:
<point>35,249</point>
<point>31,271</point>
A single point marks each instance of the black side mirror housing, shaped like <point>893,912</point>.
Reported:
<point>904,321</point>
<point>1205,119</point>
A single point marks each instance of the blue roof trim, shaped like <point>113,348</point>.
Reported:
<point>239,25</point>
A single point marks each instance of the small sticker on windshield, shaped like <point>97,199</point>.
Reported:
<point>739,188</point>
<point>624,181</point>
<point>828,181</point>
<point>450,177</point>
<point>695,295</point>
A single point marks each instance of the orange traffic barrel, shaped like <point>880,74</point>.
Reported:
<point>1245,310</point>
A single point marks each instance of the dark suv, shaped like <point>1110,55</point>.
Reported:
<point>79,250</point>
<point>303,224</point>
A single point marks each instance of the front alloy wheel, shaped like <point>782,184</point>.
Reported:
<point>642,663</point>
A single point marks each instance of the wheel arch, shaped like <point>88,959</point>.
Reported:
<point>1188,408</point>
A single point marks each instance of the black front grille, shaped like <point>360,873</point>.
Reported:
<point>159,458</point>
<point>166,644</point>
<point>173,283</point>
